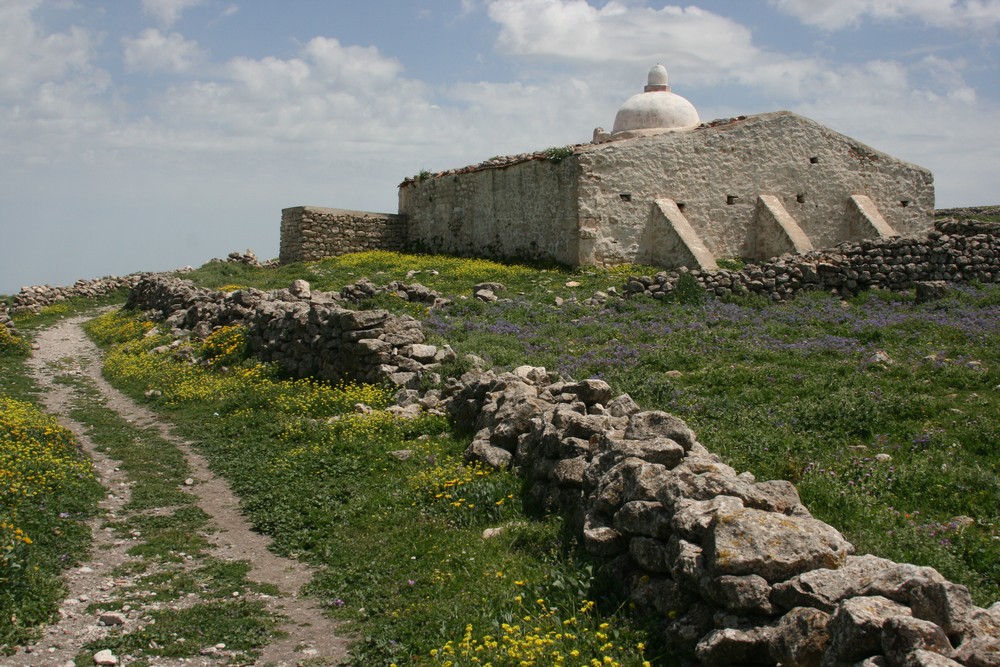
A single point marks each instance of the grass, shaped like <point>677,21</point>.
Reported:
<point>396,540</point>
<point>882,411</point>
<point>168,535</point>
<point>796,391</point>
<point>47,492</point>
<point>793,390</point>
<point>452,275</point>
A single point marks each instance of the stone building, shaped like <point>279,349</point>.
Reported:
<point>665,189</point>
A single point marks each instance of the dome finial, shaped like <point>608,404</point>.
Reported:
<point>657,79</point>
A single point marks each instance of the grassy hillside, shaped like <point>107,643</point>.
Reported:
<point>882,411</point>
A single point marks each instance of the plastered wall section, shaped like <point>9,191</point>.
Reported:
<point>309,233</point>
<point>524,211</point>
<point>715,175</point>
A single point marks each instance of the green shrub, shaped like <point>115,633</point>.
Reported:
<point>12,345</point>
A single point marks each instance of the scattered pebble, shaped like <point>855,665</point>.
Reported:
<point>111,618</point>
<point>105,657</point>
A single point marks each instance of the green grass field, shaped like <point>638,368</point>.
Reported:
<point>882,411</point>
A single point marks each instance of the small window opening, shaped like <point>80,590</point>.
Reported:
<point>814,160</point>
<point>731,199</point>
<point>904,203</point>
<point>800,198</point>
<point>625,196</point>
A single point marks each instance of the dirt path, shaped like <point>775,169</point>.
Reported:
<point>311,637</point>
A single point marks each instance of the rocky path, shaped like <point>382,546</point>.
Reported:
<point>311,637</point>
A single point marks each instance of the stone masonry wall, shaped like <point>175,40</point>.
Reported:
<point>596,204</point>
<point>736,569</point>
<point>524,208</point>
<point>715,174</point>
<point>309,233</point>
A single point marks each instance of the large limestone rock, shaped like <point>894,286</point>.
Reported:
<point>856,628</point>
<point>800,637</point>
<point>775,546</point>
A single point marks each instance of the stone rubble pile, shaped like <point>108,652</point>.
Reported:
<point>738,570</point>
<point>249,258</point>
<point>308,334</point>
<point>411,292</point>
<point>954,251</point>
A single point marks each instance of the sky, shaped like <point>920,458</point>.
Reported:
<point>154,134</point>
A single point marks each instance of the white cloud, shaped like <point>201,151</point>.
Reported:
<point>153,51</point>
<point>352,66</point>
<point>951,14</point>
<point>28,58</point>
<point>168,12</point>
<point>706,44</point>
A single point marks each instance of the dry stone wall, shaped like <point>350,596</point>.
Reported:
<point>308,334</point>
<point>310,233</point>
<point>32,299</point>
<point>6,321</point>
<point>737,570</point>
<point>954,251</point>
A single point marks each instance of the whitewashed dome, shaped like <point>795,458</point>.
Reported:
<point>656,109</point>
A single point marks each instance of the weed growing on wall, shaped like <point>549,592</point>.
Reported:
<point>557,154</point>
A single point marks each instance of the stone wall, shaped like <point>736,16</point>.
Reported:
<point>716,174</point>
<point>33,298</point>
<point>309,233</point>
<point>523,208</point>
<point>6,321</point>
<point>308,334</point>
<point>723,183</point>
<point>737,570</point>
<point>954,251</point>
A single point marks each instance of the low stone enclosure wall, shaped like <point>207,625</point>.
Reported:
<point>954,251</point>
<point>736,569</point>
<point>32,299</point>
<point>309,233</point>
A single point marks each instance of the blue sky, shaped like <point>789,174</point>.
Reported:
<point>153,134</point>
